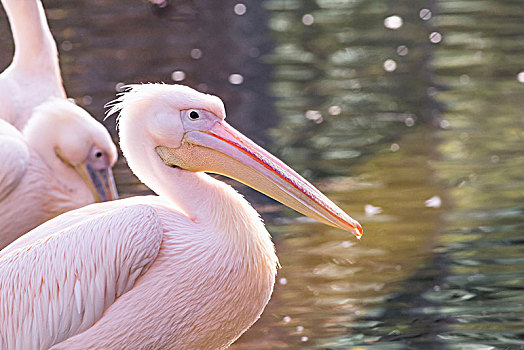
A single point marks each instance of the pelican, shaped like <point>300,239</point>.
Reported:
<point>33,76</point>
<point>191,268</point>
<point>61,161</point>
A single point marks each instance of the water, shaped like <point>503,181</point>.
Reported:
<point>378,111</point>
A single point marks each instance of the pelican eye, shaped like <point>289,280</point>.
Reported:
<point>98,154</point>
<point>194,115</point>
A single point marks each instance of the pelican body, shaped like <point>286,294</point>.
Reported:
<point>191,268</point>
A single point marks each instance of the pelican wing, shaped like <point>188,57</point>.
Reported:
<point>14,159</point>
<point>60,281</point>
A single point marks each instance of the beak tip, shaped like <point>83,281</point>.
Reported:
<point>357,230</point>
<point>351,225</point>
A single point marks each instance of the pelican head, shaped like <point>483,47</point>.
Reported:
<point>76,147</point>
<point>186,129</point>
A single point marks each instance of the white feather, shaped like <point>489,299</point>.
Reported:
<point>78,297</point>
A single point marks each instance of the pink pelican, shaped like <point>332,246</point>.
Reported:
<point>191,268</point>
<point>60,161</point>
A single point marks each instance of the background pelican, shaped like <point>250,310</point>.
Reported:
<point>190,269</point>
<point>61,161</point>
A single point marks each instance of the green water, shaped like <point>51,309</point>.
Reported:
<point>374,116</point>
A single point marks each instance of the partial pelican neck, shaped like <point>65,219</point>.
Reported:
<point>231,222</point>
<point>212,204</point>
<point>35,48</point>
<point>199,196</point>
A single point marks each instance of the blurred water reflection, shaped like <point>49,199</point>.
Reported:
<point>384,105</point>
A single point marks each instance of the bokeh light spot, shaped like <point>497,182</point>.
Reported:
<point>393,22</point>
<point>240,9</point>
<point>236,79</point>
<point>178,75</point>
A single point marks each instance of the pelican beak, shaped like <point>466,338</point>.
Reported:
<point>100,182</point>
<point>223,150</point>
